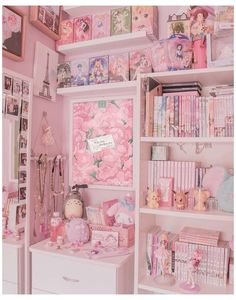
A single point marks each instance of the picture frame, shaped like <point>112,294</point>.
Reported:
<point>12,107</point>
<point>17,216</point>
<point>13,33</point>
<point>47,19</point>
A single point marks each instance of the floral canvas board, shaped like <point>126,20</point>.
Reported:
<point>103,143</point>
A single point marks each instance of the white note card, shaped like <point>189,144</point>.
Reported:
<point>101,142</point>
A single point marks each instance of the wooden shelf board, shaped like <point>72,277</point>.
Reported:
<point>125,88</point>
<point>188,139</point>
<point>149,284</point>
<point>207,77</point>
<point>172,212</point>
<point>107,45</point>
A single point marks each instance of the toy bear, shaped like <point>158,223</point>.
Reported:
<point>201,197</point>
<point>153,199</point>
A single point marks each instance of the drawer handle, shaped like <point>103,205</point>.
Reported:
<point>70,279</point>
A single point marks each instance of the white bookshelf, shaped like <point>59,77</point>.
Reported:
<point>81,10</point>
<point>107,45</point>
<point>207,77</point>
<point>126,88</point>
<point>149,284</point>
<point>188,139</point>
<point>213,215</point>
<point>171,219</point>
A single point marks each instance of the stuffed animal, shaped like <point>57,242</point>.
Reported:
<point>153,199</point>
<point>225,195</point>
<point>180,199</point>
<point>123,211</point>
<point>201,197</point>
<point>77,231</point>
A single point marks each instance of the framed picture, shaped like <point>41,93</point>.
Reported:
<point>47,19</point>
<point>17,87</point>
<point>17,216</point>
<point>164,190</point>
<point>12,106</point>
<point>102,142</point>
<point>45,72</point>
<point>7,83</point>
<point>13,33</point>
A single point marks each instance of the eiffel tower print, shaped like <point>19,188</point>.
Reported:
<point>45,92</point>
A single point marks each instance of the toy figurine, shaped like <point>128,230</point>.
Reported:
<point>163,257</point>
<point>192,267</point>
<point>180,200</point>
<point>198,31</point>
<point>153,199</point>
<point>201,197</point>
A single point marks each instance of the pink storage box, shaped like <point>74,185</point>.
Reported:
<point>126,235</point>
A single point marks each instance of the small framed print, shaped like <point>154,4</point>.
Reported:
<point>17,216</point>
<point>24,108</point>
<point>164,189</point>
<point>105,238</point>
<point>23,141</point>
<point>23,124</point>
<point>17,87</point>
<point>13,33</point>
<point>22,176</point>
<point>22,193</point>
<point>47,19</point>
<point>7,83</point>
<point>12,106</point>
<point>23,159</point>
<point>25,89</point>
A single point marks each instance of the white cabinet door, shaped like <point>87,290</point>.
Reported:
<point>10,263</point>
<point>63,275</point>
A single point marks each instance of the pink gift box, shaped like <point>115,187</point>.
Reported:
<point>126,234</point>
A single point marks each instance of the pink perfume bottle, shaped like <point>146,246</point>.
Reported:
<point>56,223</point>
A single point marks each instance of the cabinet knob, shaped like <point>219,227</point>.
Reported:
<point>70,279</point>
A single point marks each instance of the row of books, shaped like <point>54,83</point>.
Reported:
<point>188,115</point>
<point>199,236</point>
<point>103,69</point>
<point>213,267</point>
<point>182,172</point>
<point>117,21</point>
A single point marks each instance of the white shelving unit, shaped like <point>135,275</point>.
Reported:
<point>102,90</point>
<point>107,45</point>
<point>171,219</point>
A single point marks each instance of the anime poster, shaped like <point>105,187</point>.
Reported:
<point>140,62</point>
<point>66,32</point>
<point>145,18</point>
<point>64,75</point>
<point>79,72</point>
<point>120,20</point>
<point>82,28</point>
<point>102,142</point>
<point>119,67</point>
<point>98,70</point>
<point>100,25</point>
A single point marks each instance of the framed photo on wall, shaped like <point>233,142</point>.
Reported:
<point>17,216</point>
<point>13,33</point>
<point>47,19</point>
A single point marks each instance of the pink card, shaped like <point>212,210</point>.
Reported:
<point>66,32</point>
<point>165,186</point>
<point>82,28</point>
<point>119,67</point>
<point>140,62</point>
<point>105,205</point>
<point>100,25</point>
<point>104,238</point>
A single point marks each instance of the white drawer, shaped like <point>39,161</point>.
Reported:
<point>10,263</point>
<point>63,275</point>
<point>9,287</point>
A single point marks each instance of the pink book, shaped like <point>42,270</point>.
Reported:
<point>166,187</point>
<point>211,117</point>
<point>180,116</point>
<point>82,28</point>
<point>154,259</point>
<point>167,117</point>
<point>171,122</point>
<point>100,25</point>
<point>197,117</point>
<point>179,175</point>
<point>66,32</point>
<point>175,176</point>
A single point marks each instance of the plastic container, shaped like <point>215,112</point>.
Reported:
<point>56,225</point>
